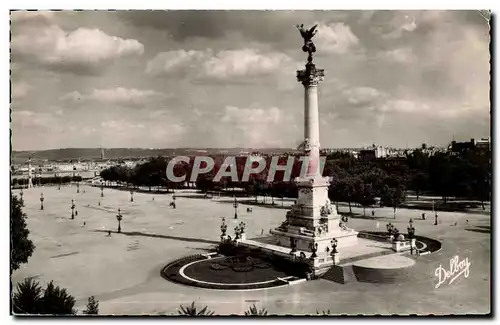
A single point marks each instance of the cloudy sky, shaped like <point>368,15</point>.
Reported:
<point>227,79</point>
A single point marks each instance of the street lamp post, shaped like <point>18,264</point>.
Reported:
<point>223,229</point>
<point>41,201</point>
<point>435,218</point>
<point>235,205</point>
<point>411,235</point>
<point>119,217</point>
<point>237,232</point>
<point>102,189</point>
<point>77,187</point>
<point>131,196</point>
<point>293,245</point>
<point>334,251</point>
<point>72,209</point>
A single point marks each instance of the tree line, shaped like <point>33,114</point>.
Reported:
<point>46,180</point>
<point>464,175</point>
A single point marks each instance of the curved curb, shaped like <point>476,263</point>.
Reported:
<point>188,281</point>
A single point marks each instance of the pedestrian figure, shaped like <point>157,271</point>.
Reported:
<point>262,232</point>
<point>467,221</point>
<point>109,233</point>
<point>99,203</point>
<point>153,198</point>
<point>84,223</point>
<point>373,214</point>
<point>423,215</point>
<point>76,213</point>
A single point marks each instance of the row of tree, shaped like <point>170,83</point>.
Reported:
<point>46,180</point>
<point>461,175</point>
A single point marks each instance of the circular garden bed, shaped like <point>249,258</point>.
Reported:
<point>240,272</point>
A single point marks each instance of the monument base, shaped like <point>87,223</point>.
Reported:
<point>303,243</point>
<point>321,263</point>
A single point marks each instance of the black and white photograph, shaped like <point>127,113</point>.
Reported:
<point>250,162</point>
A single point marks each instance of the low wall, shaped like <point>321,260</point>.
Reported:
<point>373,275</point>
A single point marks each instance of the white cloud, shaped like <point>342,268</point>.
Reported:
<point>163,133</point>
<point>401,23</point>
<point>39,16</point>
<point>400,55</point>
<point>258,127</point>
<point>336,38</point>
<point>122,125</point>
<point>20,90</point>
<point>83,47</point>
<point>222,65</point>
<point>245,62</point>
<point>118,96</point>
<point>29,121</point>
<point>404,106</point>
<point>176,61</point>
<point>362,95</point>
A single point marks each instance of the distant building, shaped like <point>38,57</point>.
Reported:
<point>367,154</point>
<point>484,143</point>
<point>462,146</point>
<point>458,147</point>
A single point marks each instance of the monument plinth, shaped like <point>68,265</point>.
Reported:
<point>312,229</point>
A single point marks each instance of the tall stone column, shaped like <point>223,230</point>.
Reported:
<point>30,175</point>
<point>310,77</point>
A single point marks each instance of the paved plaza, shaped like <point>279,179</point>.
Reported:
<point>123,270</point>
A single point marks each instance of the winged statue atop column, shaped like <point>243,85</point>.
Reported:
<point>307,35</point>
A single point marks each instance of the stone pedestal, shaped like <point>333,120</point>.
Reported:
<point>405,245</point>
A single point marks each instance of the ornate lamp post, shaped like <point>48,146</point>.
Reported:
<point>21,195</point>
<point>72,209</point>
<point>223,229</point>
<point>237,232</point>
<point>293,245</point>
<point>411,235</point>
<point>435,218</point>
<point>119,217</point>
<point>314,249</point>
<point>41,201</point>
<point>390,228</point>
<point>334,251</point>
<point>102,189</point>
<point>77,187</point>
<point>131,196</point>
<point>242,229</point>
<point>235,205</point>
<point>395,232</point>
